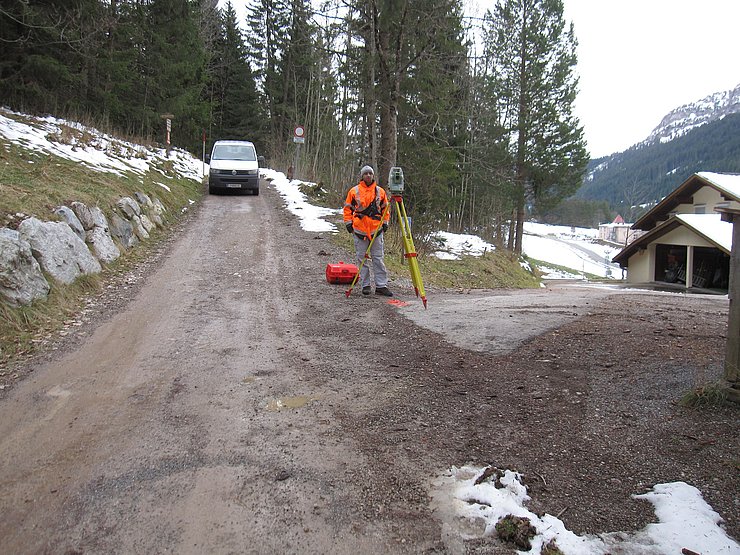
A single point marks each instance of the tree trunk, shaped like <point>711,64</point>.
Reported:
<point>522,119</point>
<point>512,232</point>
<point>388,131</point>
<point>370,98</point>
<point>389,78</point>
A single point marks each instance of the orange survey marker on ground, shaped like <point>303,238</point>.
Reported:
<point>340,273</point>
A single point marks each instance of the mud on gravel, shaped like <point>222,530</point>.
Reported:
<point>164,422</point>
<point>588,412</point>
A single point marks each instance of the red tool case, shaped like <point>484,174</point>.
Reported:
<point>340,273</point>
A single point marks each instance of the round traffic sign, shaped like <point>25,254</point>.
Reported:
<point>299,131</point>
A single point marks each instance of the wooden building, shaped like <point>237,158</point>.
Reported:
<point>685,241</point>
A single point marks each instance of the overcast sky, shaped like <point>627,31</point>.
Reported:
<point>640,59</point>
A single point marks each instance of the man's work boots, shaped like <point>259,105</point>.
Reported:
<point>366,290</point>
<point>383,291</point>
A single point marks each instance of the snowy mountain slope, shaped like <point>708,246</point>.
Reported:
<point>700,136</point>
<point>683,119</point>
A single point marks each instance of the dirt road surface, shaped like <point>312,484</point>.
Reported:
<point>228,400</point>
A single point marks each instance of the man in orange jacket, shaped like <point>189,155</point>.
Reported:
<point>363,216</point>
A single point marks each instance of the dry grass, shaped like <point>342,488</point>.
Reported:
<point>23,328</point>
<point>707,395</point>
<point>496,269</point>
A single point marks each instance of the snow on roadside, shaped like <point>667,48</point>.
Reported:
<point>574,248</point>
<point>296,202</point>
<point>685,520</point>
<point>452,246</point>
<point>92,148</point>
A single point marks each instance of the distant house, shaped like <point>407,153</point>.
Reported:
<point>618,232</point>
<point>684,239</point>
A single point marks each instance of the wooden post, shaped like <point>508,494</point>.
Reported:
<point>689,281</point>
<point>732,352</point>
<point>168,129</point>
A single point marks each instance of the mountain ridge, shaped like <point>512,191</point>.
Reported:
<point>699,136</point>
<point>694,114</point>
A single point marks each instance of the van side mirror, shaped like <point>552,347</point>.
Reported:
<point>261,161</point>
<point>208,158</point>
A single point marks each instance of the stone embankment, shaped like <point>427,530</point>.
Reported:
<point>39,251</point>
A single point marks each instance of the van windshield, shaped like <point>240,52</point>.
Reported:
<point>244,153</point>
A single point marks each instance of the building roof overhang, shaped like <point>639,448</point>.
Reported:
<point>728,185</point>
<point>728,214</point>
<point>710,227</point>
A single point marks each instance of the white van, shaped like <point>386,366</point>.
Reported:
<point>234,166</point>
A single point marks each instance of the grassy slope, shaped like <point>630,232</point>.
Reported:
<point>496,269</point>
<point>33,183</point>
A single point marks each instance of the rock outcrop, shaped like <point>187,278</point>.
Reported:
<point>68,215</point>
<point>60,252</point>
<point>100,239</point>
<point>123,231</point>
<point>76,246</point>
<point>21,279</point>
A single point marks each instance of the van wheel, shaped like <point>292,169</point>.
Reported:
<point>255,191</point>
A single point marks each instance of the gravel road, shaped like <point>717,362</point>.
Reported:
<point>237,403</point>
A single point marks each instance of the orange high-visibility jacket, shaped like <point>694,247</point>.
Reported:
<point>364,207</point>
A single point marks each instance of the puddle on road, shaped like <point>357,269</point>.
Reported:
<point>59,391</point>
<point>275,405</point>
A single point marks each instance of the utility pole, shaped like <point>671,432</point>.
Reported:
<point>732,352</point>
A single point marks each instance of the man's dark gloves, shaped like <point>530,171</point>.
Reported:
<point>348,225</point>
<point>385,227</point>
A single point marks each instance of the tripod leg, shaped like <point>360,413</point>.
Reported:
<point>410,250</point>
<point>348,292</point>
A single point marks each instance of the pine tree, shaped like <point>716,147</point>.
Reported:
<point>405,40</point>
<point>298,63</point>
<point>325,151</point>
<point>432,130</point>
<point>122,67</point>
<point>49,59</point>
<point>532,76</point>
<point>174,71</point>
<point>488,162</point>
<point>237,105</point>
<point>268,23</point>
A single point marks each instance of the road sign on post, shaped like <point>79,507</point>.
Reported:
<point>298,138</point>
<point>168,118</point>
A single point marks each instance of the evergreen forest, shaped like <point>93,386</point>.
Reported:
<point>477,111</point>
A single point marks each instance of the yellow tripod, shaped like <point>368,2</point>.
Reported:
<point>395,181</point>
<point>409,249</point>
